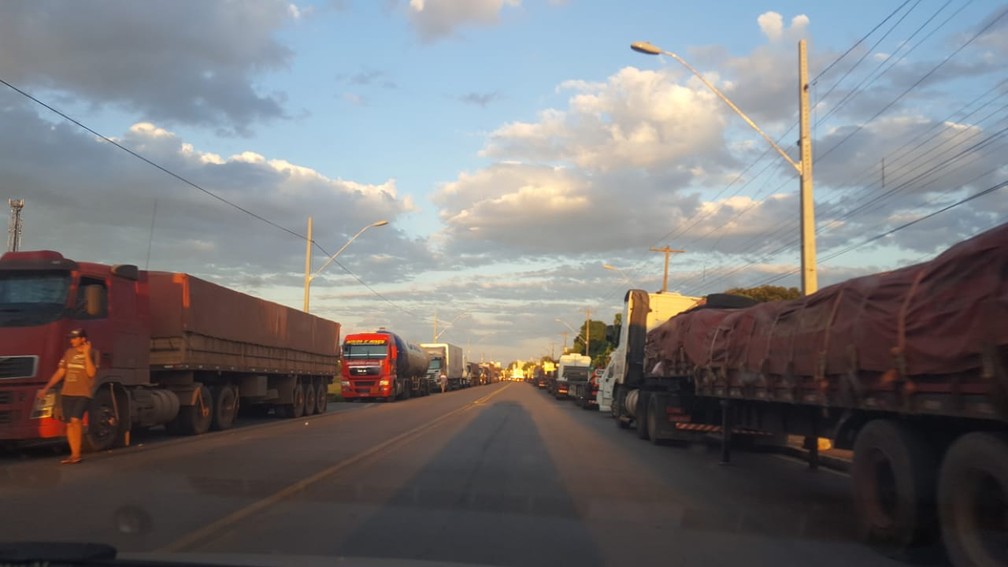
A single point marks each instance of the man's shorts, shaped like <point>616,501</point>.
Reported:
<point>74,406</point>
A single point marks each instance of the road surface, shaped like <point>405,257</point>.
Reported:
<point>493,475</point>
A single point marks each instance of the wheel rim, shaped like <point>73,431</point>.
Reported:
<point>101,425</point>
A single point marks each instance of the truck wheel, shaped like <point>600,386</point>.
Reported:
<point>653,411</point>
<point>225,407</point>
<point>296,409</point>
<point>322,399</point>
<point>619,399</point>
<point>973,500</point>
<point>194,419</point>
<point>102,425</point>
<point>893,473</point>
<point>309,398</point>
<point>641,417</point>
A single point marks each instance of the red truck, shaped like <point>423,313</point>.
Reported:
<point>383,366</point>
<point>174,350</point>
<point>908,369</point>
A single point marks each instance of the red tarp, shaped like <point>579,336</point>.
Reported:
<point>933,318</point>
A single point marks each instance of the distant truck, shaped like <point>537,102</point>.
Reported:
<point>573,371</point>
<point>446,357</point>
<point>383,366</point>
<point>174,350</point>
<point>907,368</point>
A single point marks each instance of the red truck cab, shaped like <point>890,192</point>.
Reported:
<point>42,297</point>
<point>368,366</point>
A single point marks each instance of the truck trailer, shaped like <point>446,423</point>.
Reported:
<point>908,369</point>
<point>173,350</point>
<point>573,370</point>
<point>448,358</point>
<point>383,366</point>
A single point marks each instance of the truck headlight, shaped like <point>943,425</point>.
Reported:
<point>383,383</point>
<point>345,383</point>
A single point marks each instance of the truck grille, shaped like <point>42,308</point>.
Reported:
<point>364,384</point>
<point>17,367</point>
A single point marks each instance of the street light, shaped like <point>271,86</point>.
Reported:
<point>621,272</point>
<point>437,334</point>
<point>803,167</point>
<point>309,275</point>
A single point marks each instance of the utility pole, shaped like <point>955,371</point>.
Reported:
<point>564,351</point>
<point>587,329</point>
<point>809,279</point>
<point>667,251</point>
<point>14,226</point>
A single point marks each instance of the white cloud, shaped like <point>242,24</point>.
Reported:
<point>772,26</point>
<point>635,118</point>
<point>437,19</point>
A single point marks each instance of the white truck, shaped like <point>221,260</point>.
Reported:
<point>572,368</point>
<point>447,357</point>
<point>642,311</point>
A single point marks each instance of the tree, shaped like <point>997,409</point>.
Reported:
<point>767,292</point>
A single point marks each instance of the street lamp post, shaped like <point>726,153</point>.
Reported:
<point>803,167</point>
<point>620,272</point>
<point>309,275</point>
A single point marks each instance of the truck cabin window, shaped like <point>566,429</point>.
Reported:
<point>92,299</point>
<point>32,298</point>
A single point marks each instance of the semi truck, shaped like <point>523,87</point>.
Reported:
<point>173,350</point>
<point>572,371</point>
<point>383,366</point>
<point>906,369</point>
<point>448,358</point>
<point>642,311</point>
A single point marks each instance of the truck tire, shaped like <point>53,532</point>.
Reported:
<point>194,419</point>
<point>641,417</point>
<point>102,425</point>
<point>619,398</point>
<point>225,407</point>
<point>322,398</point>
<point>973,500</point>
<point>309,398</point>
<point>296,409</point>
<point>893,473</point>
<point>653,411</point>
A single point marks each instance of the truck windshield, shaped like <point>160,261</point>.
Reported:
<point>365,351</point>
<point>435,364</point>
<point>32,298</point>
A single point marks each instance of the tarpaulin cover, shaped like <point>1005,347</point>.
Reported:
<point>934,318</point>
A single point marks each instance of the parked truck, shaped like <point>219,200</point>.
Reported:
<point>642,311</point>
<point>173,350</point>
<point>908,369</point>
<point>448,358</point>
<point>572,370</point>
<point>383,366</point>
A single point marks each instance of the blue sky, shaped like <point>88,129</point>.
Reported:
<point>515,146</point>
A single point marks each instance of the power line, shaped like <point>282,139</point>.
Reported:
<point>191,184</point>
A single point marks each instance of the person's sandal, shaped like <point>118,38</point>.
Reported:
<point>70,461</point>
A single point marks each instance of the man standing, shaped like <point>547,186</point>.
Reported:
<point>443,381</point>
<point>77,370</point>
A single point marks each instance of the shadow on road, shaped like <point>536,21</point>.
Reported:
<point>491,496</point>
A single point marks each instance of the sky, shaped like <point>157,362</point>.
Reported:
<point>515,147</point>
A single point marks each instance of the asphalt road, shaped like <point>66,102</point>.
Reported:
<point>493,475</point>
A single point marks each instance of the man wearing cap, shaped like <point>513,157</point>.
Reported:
<point>77,370</point>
